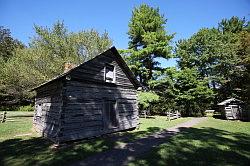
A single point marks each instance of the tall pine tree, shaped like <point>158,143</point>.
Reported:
<point>148,40</point>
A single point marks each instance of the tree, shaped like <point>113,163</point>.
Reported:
<point>148,40</point>
<point>194,96</point>
<point>7,44</point>
<point>217,55</point>
<point>233,25</point>
<point>213,55</point>
<point>184,90</point>
<point>164,87</point>
<point>145,99</point>
<point>243,80</point>
<point>48,50</point>
<point>76,47</point>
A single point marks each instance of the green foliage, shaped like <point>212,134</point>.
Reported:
<point>213,65</point>
<point>7,44</point>
<point>193,93</point>
<point>148,40</point>
<point>76,47</point>
<point>182,90</point>
<point>27,108</point>
<point>48,50</point>
<point>243,81</point>
<point>233,25</point>
<point>217,55</point>
<point>147,98</point>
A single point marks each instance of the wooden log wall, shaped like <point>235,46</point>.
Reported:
<point>83,109</point>
<point>48,105</point>
<point>84,96</point>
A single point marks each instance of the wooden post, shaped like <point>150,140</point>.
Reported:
<point>4,117</point>
<point>169,116</point>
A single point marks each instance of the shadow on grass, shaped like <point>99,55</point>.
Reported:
<point>204,146</point>
<point>38,151</point>
<point>126,137</point>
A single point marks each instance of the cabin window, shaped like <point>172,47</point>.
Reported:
<point>109,75</point>
<point>110,113</point>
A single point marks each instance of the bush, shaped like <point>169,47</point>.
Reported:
<point>8,108</point>
<point>145,99</point>
<point>26,108</point>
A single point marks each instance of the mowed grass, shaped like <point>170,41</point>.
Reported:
<point>17,123</point>
<point>19,145</point>
<point>212,142</point>
<point>160,122</point>
<point>153,124</point>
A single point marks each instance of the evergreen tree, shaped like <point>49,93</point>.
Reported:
<point>148,40</point>
<point>7,44</point>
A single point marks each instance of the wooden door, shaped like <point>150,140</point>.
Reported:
<point>109,114</point>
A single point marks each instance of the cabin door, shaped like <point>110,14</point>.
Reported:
<point>110,114</point>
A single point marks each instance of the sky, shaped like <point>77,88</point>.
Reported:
<point>184,17</point>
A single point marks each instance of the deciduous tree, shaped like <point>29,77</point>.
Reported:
<point>48,50</point>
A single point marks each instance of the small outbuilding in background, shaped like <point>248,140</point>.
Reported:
<point>233,109</point>
<point>95,98</point>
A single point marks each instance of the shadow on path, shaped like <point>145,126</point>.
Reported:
<point>27,151</point>
<point>123,154</point>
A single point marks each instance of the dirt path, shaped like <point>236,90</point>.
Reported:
<point>123,154</point>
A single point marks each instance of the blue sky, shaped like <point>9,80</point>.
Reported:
<point>184,17</point>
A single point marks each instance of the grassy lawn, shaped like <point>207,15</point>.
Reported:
<point>212,142</point>
<point>20,146</point>
<point>18,123</point>
<point>152,124</point>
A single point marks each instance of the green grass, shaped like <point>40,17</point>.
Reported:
<point>153,124</point>
<point>11,129</point>
<point>213,142</point>
<point>160,122</point>
<point>33,150</point>
<point>19,114</point>
<point>17,123</point>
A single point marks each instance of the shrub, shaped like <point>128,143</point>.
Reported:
<point>26,108</point>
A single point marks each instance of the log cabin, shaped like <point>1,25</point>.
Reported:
<point>233,109</point>
<point>94,98</point>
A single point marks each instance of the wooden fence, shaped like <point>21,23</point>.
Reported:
<point>170,115</point>
<point>144,113</point>
<point>3,116</point>
<point>173,115</point>
<point>14,116</point>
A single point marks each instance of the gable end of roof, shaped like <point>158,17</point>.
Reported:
<point>120,60</point>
